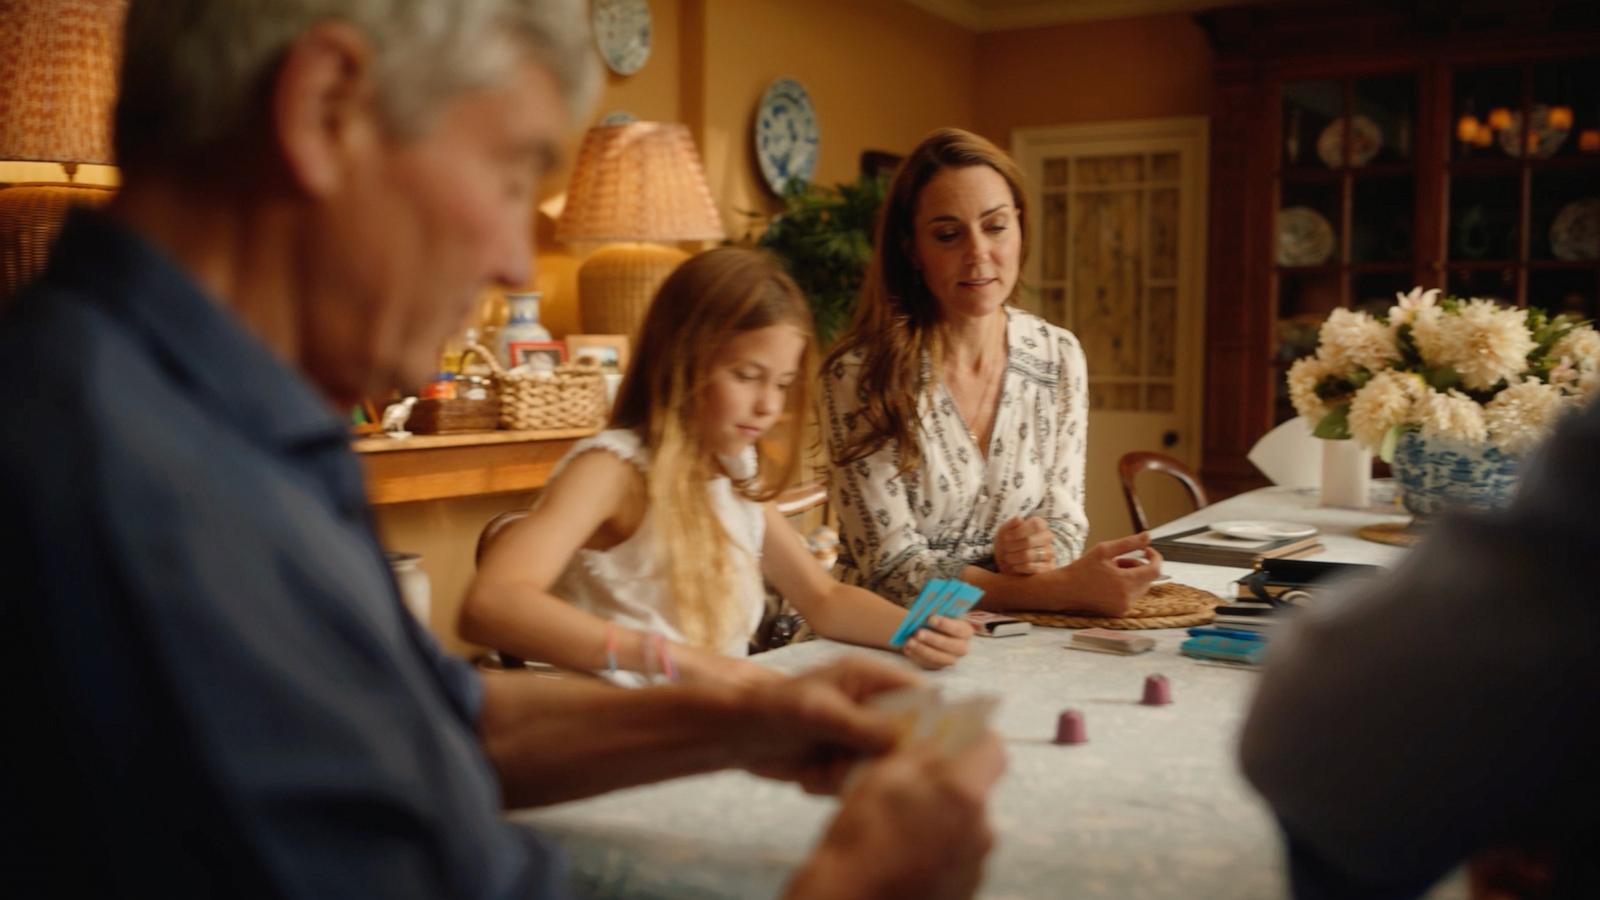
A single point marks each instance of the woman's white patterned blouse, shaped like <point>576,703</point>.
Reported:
<point>898,532</point>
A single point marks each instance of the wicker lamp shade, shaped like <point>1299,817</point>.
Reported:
<point>58,78</point>
<point>635,183</point>
<point>58,81</point>
<point>639,182</point>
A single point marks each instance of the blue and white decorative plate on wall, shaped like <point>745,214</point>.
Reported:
<point>786,135</point>
<point>622,29</point>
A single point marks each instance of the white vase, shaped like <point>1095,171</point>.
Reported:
<point>416,590</point>
<point>1346,474</point>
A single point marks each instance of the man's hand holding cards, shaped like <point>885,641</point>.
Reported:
<point>921,715</point>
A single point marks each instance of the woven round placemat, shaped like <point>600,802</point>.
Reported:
<point>1395,534</point>
<point>1163,606</point>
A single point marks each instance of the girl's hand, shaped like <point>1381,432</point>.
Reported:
<point>698,666</point>
<point>1024,547</point>
<point>940,644</point>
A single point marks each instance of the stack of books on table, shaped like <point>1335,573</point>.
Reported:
<point>1273,593</point>
<point>1202,545</point>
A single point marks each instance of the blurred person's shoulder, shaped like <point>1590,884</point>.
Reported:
<point>64,358</point>
<point>85,392</point>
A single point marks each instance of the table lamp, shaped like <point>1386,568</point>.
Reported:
<point>58,82</point>
<point>633,185</point>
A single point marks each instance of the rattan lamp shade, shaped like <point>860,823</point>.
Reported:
<point>638,183</point>
<point>58,81</point>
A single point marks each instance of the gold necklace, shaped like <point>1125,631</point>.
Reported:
<point>990,391</point>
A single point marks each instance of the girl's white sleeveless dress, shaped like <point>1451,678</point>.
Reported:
<point>627,583</point>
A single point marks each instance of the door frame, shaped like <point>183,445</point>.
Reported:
<point>1190,137</point>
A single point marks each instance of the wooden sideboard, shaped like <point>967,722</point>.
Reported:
<point>439,467</point>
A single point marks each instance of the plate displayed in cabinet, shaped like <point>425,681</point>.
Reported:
<point>786,135</point>
<point>1575,233</point>
<point>1304,237</point>
<point>622,29</point>
<point>1543,143</point>
<point>1366,139</point>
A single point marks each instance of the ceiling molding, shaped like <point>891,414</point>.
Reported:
<point>1002,15</point>
<point>962,12</point>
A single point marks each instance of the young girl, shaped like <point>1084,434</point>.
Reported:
<point>660,530</point>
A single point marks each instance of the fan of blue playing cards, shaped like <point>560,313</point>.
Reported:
<point>947,597</point>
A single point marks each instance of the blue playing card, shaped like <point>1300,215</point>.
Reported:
<point>966,597</point>
<point>946,597</point>
<point>918,612</point>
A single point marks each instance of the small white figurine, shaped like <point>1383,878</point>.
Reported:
<point>395,416</point>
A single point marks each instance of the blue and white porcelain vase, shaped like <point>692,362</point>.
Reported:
<point>1437,474</point>
<point>522,326</point>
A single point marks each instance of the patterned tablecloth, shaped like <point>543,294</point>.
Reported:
<point>1153,806</point>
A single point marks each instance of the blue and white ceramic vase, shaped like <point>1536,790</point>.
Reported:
<point>522,326</point>
<point>1437,474</point>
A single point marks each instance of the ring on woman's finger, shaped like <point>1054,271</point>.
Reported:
<point>1038,554</point>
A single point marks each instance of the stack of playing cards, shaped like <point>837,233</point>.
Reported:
<point>920,714</point>
<point>990,624</point>
<point>947,597</point>
<point>1104,640</point>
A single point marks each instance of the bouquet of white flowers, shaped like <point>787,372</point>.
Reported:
<point>1471,370</point>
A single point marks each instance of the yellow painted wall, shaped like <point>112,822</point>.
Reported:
<point>881,74</point>
<point>1149,67</point>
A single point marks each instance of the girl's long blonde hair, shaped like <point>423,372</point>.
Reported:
<point>705,303</point>
<point>894,321</point>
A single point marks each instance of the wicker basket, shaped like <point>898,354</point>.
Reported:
<point>445,416</point>
<point>573,396</point>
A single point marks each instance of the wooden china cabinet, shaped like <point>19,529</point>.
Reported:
<point>1361,149</point>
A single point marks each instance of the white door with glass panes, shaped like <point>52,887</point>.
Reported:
<point>1117,256</point>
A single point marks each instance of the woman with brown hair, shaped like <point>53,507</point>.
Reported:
<point>957,422</point>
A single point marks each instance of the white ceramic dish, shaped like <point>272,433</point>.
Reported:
<point>1261,530</point>
<point>623,29</point>
<point>1305,238</point>
<point>1366,138</point>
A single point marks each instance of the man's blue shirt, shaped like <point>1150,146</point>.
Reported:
<point>211,686</point>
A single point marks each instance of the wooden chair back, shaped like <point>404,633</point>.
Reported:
<point>1133,464</point>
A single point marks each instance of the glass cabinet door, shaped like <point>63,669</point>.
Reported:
<point>1524,184</point>
<point>1345,231</point>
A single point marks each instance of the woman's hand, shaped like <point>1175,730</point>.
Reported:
<point>940,644</point>
<point>1024,547</point>
<point>1102,582</point>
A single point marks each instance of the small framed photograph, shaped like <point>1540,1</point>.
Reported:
<point>609,351</point>
<point>540,356</point>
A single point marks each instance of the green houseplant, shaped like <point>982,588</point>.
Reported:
<point>824,237</point>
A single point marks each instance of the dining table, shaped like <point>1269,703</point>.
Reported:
<point>1152,807</point>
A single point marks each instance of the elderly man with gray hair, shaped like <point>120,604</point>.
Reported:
<point>210,686</point>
